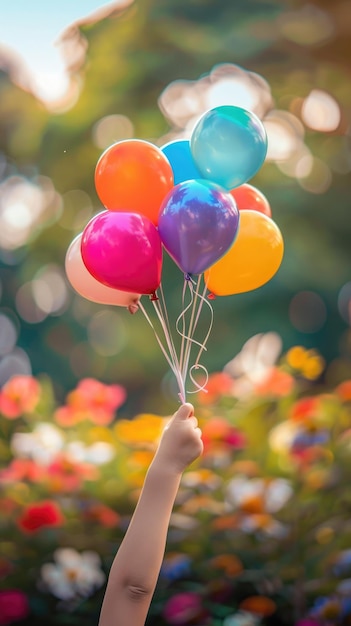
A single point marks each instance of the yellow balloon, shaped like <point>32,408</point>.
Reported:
<point>253,259</point>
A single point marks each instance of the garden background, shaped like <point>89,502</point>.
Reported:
<point>261,530</point>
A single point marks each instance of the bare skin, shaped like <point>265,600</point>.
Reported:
<point>137,564</point>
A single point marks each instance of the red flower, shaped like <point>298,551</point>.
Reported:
<point>40,515</point>
<point>13,606</point>
<point>19,395</point>
<point>305,408</point>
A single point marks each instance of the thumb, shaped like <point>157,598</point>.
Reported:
<point>185,411</point>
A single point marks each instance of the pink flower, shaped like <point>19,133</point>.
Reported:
<point>40,515</point>
<point>183,607</point>
<point>13,606</point>
<point>66,475</point>
<point>22,469</point>
<point>91,400</point>
<point>217,432</point>
<point>19,395</point>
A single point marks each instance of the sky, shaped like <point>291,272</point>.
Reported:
<point>30,29</point>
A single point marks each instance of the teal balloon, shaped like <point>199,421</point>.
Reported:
<point>229,145</point>
<point>183,165</point>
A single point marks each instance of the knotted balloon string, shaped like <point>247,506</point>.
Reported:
<point>199,387</point>
<point>196,300</point>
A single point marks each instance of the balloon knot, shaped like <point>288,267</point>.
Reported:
<point>153,297</point>
<point>187,276</point>
<point>211,296</point>
<point>133,308</point>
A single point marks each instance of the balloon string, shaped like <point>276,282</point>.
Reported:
<point>182,332</point>
<point>156,335</point>
<point>171,348</point>
<point>168,326</point>
<point>192,328</point>
<point>203,300</point>
<point>189,338</point>
<point>198,387</point>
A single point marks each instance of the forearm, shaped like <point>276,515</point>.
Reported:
<point>140,555</point>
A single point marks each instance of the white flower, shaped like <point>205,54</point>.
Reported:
<point>73,574</point>
<point>41,445</point>
<point>268,496</point>
<point>252,364</point>
<point>98,453</point>
<point>257,500</point>
<point>241,618</point>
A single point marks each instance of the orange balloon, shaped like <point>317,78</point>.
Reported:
<point>248,197</point>
<point>253,259</point>
<point>133,176</point>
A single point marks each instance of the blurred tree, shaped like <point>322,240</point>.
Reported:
<point>130,59</point>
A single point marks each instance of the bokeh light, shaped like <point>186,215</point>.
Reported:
<point>344,303</point>
<point>110,129</point>
<point>107,333</point>
<point>307,26</point>
<point>320,111</point>
<point>307,312</point>
<point>25,208</point>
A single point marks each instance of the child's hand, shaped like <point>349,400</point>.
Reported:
<point>181,441</point>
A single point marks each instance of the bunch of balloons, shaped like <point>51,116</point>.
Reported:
<point>191,199</point>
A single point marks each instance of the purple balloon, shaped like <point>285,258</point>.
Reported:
<point>198,223</point>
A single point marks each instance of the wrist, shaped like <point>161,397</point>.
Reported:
<point>166,467</point>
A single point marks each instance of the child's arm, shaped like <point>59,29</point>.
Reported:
<point>136,567</point>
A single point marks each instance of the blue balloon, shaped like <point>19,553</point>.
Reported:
<point>229,145</point>
<point>198,223</point>
<point>179,155</point>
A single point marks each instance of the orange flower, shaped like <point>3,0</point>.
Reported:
<point>19,395</point>
<point>276,383</point>
<point>218,384</point>
<point>259,605</point>
<point>66,416</point>
<point>226,522</point>
<point>103,515</point>
<point>40,515</point>
<point>344,390</point>
<point>229,563</point>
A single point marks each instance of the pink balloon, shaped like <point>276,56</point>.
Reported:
<point>87,286</point>
<point>124,251</point>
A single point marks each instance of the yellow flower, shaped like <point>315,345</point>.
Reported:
<point>306,362</point>
<point>143,430</point>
